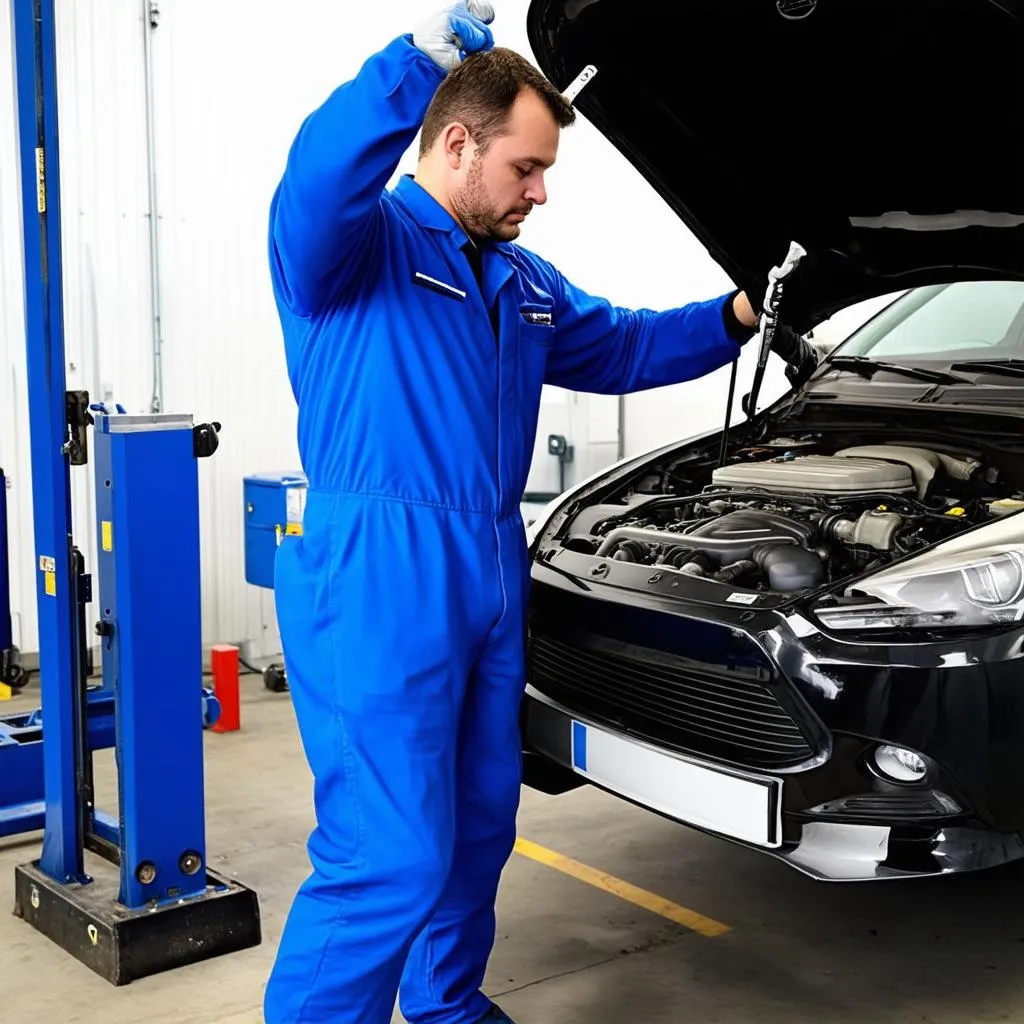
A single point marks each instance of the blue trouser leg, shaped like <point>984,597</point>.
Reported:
<point>383,609</point>
<point>445,970</point>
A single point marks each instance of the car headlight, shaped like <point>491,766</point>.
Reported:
<point>982,587</point>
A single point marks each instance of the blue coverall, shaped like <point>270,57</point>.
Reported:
<point>402,606</point>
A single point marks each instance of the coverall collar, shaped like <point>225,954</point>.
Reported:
<point>427,211</point>
<point>430,214</point>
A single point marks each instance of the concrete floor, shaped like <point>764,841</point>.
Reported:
<point>568,952</point>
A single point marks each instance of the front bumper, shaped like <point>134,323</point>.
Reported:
<point>746,807</point>
<point>768,694</point>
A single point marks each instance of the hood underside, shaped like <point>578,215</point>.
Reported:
<point>882,135</point>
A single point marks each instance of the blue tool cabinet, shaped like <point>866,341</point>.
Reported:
<point>274,505</point>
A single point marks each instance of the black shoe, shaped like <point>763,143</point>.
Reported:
<point>495,1015</point>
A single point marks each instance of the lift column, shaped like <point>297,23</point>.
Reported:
<point>34,27</point>
<point>147,511</point>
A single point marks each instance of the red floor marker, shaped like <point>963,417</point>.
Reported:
<point>224,661</point>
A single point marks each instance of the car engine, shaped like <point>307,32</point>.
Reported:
<point>786,519</point>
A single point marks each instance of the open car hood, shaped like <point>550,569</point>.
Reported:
<point>882,135</point>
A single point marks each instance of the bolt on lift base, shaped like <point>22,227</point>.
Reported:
<point>122,945</point>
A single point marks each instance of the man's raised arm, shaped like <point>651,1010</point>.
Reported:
<point>324,210</point>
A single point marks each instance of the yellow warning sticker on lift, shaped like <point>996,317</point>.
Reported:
<point>40,179</point>
<point>48,567</point>
<point>107,531</point>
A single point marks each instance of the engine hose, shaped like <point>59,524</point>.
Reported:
<point>671,554</point>
<point>654,536</point>
<point>790,568</point>
<point>787,566</point>
<point>630,551</point>
<point>731,573</point>
<point>690,560</point>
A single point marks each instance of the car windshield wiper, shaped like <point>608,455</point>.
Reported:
<point>867,367</point>
<point>1005,367</point>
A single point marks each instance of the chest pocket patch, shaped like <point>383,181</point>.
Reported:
<point>537,320</point>
<point>542,317</point>
<point>537,323</point>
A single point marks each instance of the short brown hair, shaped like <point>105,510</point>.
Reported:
<point>480,92</point>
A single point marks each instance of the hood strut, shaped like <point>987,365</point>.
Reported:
<point>728,413</point>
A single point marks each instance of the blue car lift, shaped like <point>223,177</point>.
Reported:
<point>152,903</point>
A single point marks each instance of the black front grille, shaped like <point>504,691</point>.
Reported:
<point>727,717</point>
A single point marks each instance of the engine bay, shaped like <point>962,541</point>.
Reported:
<point>792,514</point>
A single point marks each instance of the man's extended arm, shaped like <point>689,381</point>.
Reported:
<point>606,349</point>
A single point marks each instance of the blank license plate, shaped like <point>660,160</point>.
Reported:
<point>744,807</point>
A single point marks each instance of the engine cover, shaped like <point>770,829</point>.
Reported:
<point>819,474</point>
<point>735,535</point>
<point>777,545</point>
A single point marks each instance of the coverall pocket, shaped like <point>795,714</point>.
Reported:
<point>537,324</point>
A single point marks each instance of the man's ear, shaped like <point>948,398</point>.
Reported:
<point>455,139</point>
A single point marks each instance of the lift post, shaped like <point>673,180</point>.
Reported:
<point>35,49</point>
<point>152,904</point>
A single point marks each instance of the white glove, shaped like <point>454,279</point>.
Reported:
<point>460,29</point>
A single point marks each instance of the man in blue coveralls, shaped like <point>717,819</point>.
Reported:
<point>418,338</point>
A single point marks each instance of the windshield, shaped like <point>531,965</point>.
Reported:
<point>945,323</point>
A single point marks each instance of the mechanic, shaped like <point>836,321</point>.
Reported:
<point>417,340</point>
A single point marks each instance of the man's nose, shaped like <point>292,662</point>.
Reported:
<point>537,192</point>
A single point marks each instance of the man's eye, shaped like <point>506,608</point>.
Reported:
<point>522,171</point>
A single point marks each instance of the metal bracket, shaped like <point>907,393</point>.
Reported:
<point>79,419</point>
<point>11,672</point>
<point>205,440</point>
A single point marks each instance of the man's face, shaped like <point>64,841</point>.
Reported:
<point>497,189</point>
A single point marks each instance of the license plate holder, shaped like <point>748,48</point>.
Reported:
<point>740,805</point>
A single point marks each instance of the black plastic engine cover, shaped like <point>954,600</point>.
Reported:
<point>733,537</point>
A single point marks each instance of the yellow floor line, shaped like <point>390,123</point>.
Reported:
<point>705,926</point>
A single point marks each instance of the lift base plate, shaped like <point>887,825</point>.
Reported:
<point>123,945</point>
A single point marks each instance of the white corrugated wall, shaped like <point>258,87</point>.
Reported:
<point>231,84</point>
<point>14,452</point>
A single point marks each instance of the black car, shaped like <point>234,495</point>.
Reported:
<point>805,632</point>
